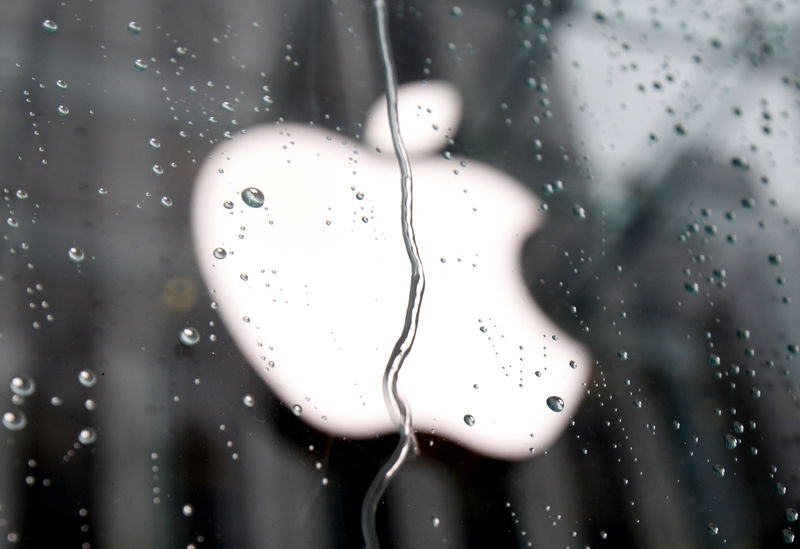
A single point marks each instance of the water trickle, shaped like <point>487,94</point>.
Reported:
<point>398,407</point>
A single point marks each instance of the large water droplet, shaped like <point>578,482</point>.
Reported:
<point>469,419</point>
<point>253,197</point>
<point>189,336</point>
<point>87,378</point>
<point>22,386</point>
<point>87,436</point>
<point>220,253</point>
<point>14,421</point>
<point>76,254</point>
<point>297,409</point>
<point>555,403</point>
<point>49,26</point>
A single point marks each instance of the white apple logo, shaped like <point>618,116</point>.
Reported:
<point>297,234</point>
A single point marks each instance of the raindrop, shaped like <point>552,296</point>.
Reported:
<point>166,201</point>
<point>87,436</point>
<point>719,470</point>
<point>226,106</point>
<point>740,162</point>
<point>220,253</point>
<point>360,195</point>
<point>154,143</point>
<point>573,364</point>
<point>12,222</point>
<point>791,514</point>
<point>713,529</point>
<point>61,84</point>
<point>158,170</point>
<point>775,259</point>
<point>713,360</point>
<point>555,403</point>
<point>692,287</point>
<point>14,421</point>
<point>435,522</point>
<point>248,401</point>
<point>181,50</point>
<point>622,354</point>
<point>456,11</point>
<point>253,197</point>
<point>76,254</point>
<point>87,378</point>
<point>788,535</point>
<point>579,211</point>
<point>297,409</point>
<point>134,27</point>
<point>469,420</point>
<point>228,205</point>
<point>731,442</point>
<point>22,194</point>
<point>63,110</point>
<point>22,386</point>
<point>49,26</point>
<point>140,64</point>
<point>189,336</point>
<point>187,510</point>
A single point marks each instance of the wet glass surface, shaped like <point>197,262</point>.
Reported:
<point>653,147</point>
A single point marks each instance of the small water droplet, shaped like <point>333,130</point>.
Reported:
<point>12,222</point>
<point>49,26</point>
<point>87,436</point>
<point>166,201</point>
<point>226,106</point>
<point>189,336</point>
<point>248,401</point>
<point>775,259</point>
<point>140,64</point>
<point>158,169</point>
<point>228,205</point>
<point>87,378</point>
<point>360,195</point>
<point>14,421</point>
<point>713,529</point>
<point>719,470</point>
<point>791,514</point>
<point>740,162</point>
<point>731,442</point>
<point>253,197</point>
<point>579,211</point>
<point>469,420</point>
<point>297,409</point>
<point>573,364</point>
<point>154,143</point>
<point>788,535</point>
<point>76,254</point>
<point>555,403</point>
<point>181,50</point>
<point>220,253</point>
<point>61,84</point>
<point>187,510</point>
<point>714,360</point>
<point>134,27</point>
<point>692,287</point>
<point>22,386</point>
<point>435,522</point>
<point>63,110</point>
<point>622,354</point>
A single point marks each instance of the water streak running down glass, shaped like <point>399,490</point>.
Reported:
<point>398,407</point>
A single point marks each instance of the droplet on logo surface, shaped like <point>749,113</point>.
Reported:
<point>220,253</point>
<point>253,197</point>
<point>469,420</point>
<point>555,403</point>
<point>297,409</point>
<point>189,336</point>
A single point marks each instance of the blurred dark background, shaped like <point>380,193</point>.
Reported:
<point>662,139</point>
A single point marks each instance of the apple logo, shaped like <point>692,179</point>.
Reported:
<point>297,234</point>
